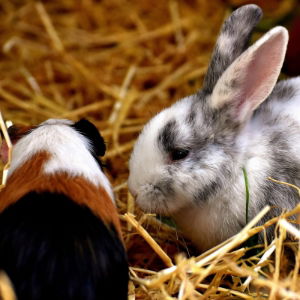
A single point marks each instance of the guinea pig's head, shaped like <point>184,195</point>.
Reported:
<point>83,126</point>
<point>69,142</point>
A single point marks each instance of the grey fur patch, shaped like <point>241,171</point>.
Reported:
<point>191,117</point>
<point>283,90</point>
<point>237,29</point>
<point>284,168</point>
<point>280,198</point>
<point>165,187</point>
<point>218,122</point>
<point>170,170</point>
<point>167,136</point>
<point>208,191</point>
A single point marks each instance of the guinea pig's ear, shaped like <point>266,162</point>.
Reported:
<point>232,41</point>
<point>16,132</point>
<point>250,79</point>
<point>90,131</point>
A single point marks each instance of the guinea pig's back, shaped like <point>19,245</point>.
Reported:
<point>54,248</point>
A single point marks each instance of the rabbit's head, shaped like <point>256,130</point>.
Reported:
<point>186,153</point>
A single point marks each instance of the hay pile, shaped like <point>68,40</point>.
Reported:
<point>117,63</point>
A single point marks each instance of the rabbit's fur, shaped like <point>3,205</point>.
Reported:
<point>188,161</point>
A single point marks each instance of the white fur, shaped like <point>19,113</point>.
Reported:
<point>68,149</point>
<point>225,44</point>
<point>208,225</point>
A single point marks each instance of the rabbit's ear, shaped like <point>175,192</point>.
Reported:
<point>233,40</point>
<point>249,80</point>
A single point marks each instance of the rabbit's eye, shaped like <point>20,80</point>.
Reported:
<point>178,154</point>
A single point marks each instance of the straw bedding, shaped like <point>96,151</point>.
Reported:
<point>117,63</point>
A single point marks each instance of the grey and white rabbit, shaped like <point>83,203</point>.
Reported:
<point>188,161</point>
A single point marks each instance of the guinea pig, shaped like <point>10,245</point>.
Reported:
<point>60,234</point>
<point>189,159</point>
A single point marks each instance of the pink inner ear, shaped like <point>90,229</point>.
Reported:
<point>260,74</point>
<point>250,79</point>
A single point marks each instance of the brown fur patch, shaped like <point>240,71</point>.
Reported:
<point>30,177</point>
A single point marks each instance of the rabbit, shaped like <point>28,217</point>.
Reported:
<point>60,234</point>
<point>188,160</point>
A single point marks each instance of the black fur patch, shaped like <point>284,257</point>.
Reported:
<point>12,130</point>
<point>90,131</point>
<point>52,248</point>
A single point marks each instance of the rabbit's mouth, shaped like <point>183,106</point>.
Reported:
<point>154,199</point>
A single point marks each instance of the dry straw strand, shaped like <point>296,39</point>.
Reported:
<point>9,146</point>
<point>131,219</point>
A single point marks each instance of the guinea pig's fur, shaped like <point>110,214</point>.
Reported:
<point>60,235</point>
